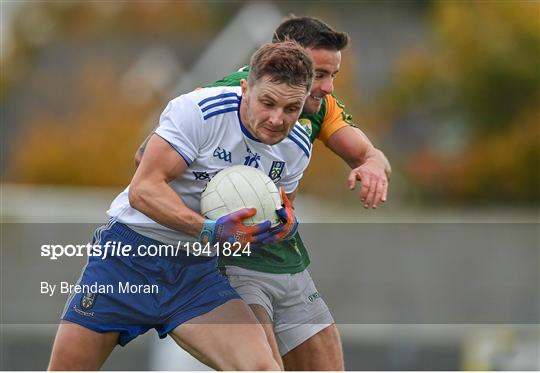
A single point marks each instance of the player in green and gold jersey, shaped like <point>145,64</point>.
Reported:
<point>274,279</point>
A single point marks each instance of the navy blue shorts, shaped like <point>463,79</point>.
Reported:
<point>187,287</point>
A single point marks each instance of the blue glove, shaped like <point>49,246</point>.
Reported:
<point>229,228</point>
<point>288,227</point>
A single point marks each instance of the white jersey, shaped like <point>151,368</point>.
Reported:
<point>204,127</point>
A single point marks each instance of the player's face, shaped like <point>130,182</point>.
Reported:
<point>326,64</point>
<point>270,110</point>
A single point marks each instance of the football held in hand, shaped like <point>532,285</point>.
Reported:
<point>239,187</point>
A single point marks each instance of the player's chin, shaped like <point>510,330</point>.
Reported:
<point>271,137</point>
<point>312,106</point>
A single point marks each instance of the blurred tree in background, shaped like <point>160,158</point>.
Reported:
<point>459,117</point>
<point>479,83</point>
<point>79,115</point>
<point>91,145</point>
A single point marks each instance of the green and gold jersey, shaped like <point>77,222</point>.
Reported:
<point>290,256</point>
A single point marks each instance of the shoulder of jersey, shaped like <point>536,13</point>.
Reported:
<point>299,139</point>
<point>215,100</point>
<point>333,102</point>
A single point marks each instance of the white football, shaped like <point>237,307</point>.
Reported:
<point>237,187</point>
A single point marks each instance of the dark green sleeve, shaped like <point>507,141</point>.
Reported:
<point>231,80</point>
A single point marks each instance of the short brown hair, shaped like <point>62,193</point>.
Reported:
<point>310,32</point>
<point>283,62</point>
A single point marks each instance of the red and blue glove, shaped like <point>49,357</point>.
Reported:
<point>288,227</point>
<point>229,228</point>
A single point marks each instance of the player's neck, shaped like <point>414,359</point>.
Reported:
<point>244,117</point>
<point>243,113</point>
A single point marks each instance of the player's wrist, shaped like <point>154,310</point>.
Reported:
<point>288,226</point>
<point>208,231</point>
<point>377,156</point>
<point>293,229</point>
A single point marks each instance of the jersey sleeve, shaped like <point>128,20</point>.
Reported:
<point>291,183</point>
<point>335,118</point>
<point>231,80</point>
<point>180,125</point>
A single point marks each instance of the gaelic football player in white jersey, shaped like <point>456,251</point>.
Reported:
<point>274,280</point>
<point>200,133</point>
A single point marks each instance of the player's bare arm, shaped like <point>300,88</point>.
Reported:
<point>369,165</point>
<point>151,194</point>
<point>140,150</point>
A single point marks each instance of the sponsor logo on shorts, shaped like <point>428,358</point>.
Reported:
<point>314,296</point>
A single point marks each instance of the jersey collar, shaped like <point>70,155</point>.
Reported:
<point>242,127</point>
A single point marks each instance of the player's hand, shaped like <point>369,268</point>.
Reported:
<point>289,224</point>
<point>230,228</point>
<point>372,175</point>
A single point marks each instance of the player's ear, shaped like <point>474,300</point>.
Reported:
<point>244,85</point>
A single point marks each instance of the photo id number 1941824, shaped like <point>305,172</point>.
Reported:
<point>218,249</point>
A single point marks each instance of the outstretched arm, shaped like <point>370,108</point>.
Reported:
<point>369,165</point>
